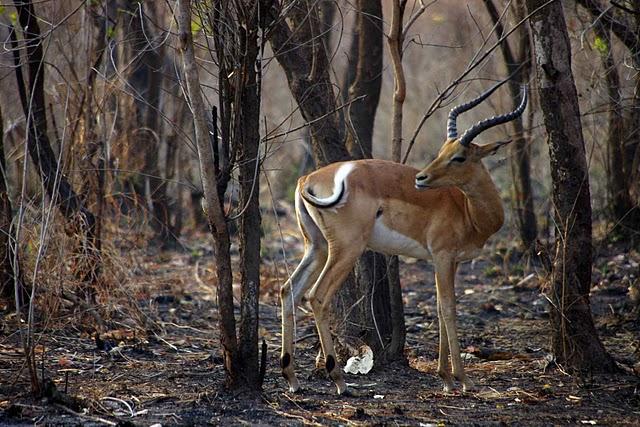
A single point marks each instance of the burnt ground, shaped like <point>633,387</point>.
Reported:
<point>159,363</point>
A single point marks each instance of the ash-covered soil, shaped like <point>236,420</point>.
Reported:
<point>159,362</point>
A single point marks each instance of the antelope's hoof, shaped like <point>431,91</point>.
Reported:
<point>448,385</point>
<point>295,389</point>
<point>343,390</point>
<point>294,385</point>
<point>349,393</point>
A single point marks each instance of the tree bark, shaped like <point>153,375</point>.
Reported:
<point>307,71</point>
<point>248,137</point>
<point>214,209</point>
<point>371,320</point>
<point>518,69</point>
<point>395,42</point>
<point>575,342</point>
<point>11,284</point>
<point>368,79</point>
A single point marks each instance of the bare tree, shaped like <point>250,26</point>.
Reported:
<point>519,69</point>
<point>395,40</point>
<point>214,208</point>
<point>144,81</point>
<point>575,342</point>
<point>236,28</point>
<point>624,22</point>
<point>11,285</point>
<point>247,137</point>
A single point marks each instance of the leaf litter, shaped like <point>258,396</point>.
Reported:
<point>164,366</point>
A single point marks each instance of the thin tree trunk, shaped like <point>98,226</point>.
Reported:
<point>626,29</point>
<point>11,284</point>
<point>396,41</point>
<point>248,137</point>
<point>215,213</point>
<point>619,199</point>
<point>146,81</point>
<point>575,342</point>
<point>54,181</point>
<point>518,69</point>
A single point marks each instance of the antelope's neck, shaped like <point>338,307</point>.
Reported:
<point>483,206</point>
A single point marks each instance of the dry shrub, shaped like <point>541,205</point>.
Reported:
<point>52,261</point>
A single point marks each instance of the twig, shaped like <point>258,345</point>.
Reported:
<point>86,417</point>
<point>625,8</point>
<point>115,399</point>
<point>346,104</point>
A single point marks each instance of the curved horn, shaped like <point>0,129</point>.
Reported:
<point>483,125</point>
<point>452,131</point>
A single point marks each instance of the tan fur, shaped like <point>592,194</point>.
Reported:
<point>450,220</point>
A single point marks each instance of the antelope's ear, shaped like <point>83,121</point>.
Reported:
<point>491,148</point>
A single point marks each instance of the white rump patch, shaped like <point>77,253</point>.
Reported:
<point>340,177</point>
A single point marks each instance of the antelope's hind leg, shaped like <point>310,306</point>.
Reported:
<point>336,270</point>
<point>291,293</point>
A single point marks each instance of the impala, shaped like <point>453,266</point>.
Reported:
<point>446,213</point>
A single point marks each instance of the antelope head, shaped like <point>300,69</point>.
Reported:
<point>459,159</point>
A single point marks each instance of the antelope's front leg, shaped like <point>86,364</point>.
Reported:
<point>443,351</point>
<point>445,279</point>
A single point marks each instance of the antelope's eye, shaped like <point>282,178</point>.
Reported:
<point>458,159</point>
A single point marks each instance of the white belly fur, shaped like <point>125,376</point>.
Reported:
<point>390,242</point>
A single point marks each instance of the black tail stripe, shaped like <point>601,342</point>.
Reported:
<point>330,205</point>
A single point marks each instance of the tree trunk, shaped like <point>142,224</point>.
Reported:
<point>396,41</point>
<point>627,31</point>
<point>619,198</point>
<point>214,209</point>
<point>371,320</point>
<point>575,342</point>
<point>11,284</point>
<point>248,137</point>
<point>519,70</point>
<point>146,82</point>
<point>307,71</point>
